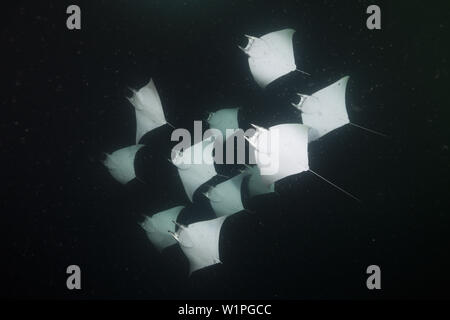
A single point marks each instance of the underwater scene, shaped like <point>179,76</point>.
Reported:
<point>272,150</point>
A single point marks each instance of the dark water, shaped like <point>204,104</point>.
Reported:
<point>65,105</point>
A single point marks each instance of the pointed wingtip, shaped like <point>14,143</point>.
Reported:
<point>345,80</point>
<point>107,159</point>
<point>151,85</point>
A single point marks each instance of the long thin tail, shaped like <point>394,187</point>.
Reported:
<point>222,175</point>
<point>369,130</point>
<point>140,180</point>
<point>337,187</point>
<point>303,72</point>
<point>170,124</point>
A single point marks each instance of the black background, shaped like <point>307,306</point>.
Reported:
<point>63,102</point>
